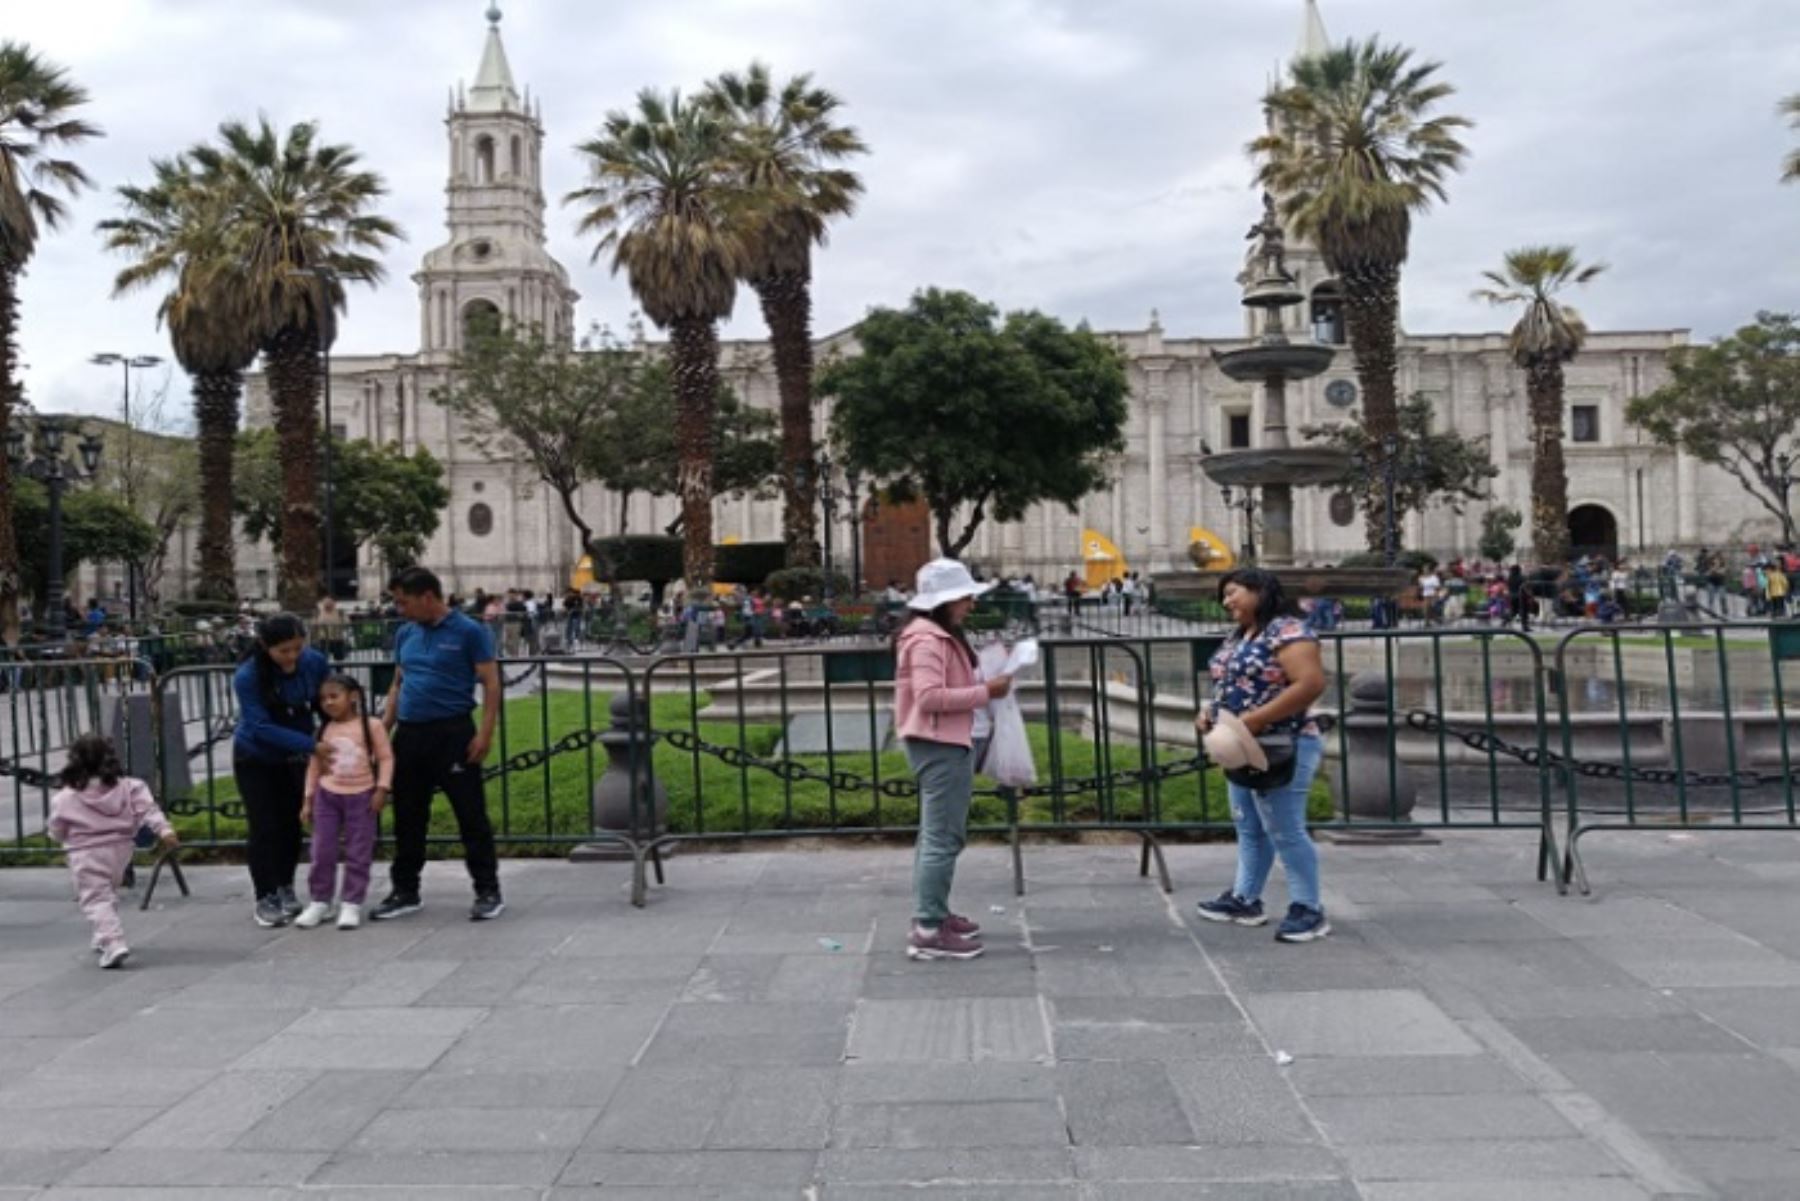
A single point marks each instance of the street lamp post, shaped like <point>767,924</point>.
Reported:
<point>127,364</point>
<point>324,318</point>
<point>828,500</point>
<point>853,479</point>
<point>1248,505</point>
<point>46,463</point>
<point>1390,522</point>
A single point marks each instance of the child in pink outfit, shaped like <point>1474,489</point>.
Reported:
<point>96,817</point>
<point>344,802</point>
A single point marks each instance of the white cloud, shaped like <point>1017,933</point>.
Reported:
<point>1078,157</point>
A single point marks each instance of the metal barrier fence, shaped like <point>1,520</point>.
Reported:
<point>1450,729</point>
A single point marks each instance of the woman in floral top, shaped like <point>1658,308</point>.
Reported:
<point>1269,673</point>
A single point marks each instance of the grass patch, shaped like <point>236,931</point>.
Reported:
<point>709,796</point>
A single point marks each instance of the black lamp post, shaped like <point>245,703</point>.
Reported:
<point>46,463</point>
<point>1248,505</point>
<point>1784,483</point>
<point>853,482</point>
<point>828,499</point>
<point>324,316</point>
<point>128,363</point>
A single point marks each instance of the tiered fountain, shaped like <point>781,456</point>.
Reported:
<point>1277,467</point>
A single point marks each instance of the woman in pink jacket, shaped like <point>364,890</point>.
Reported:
<point>936,694</point>
<point>96,818</point>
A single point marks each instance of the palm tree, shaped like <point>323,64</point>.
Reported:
<point>1548,335</point>
<point>36,100</point>
<point>1350,155</point>
<point>291,205</point>
<point>1790,166</point>
<point>663,201</point>
<point>782,142</point>
<point>176,230</point>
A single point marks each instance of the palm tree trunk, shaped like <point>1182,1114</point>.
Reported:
<point>787,309</point>
<point>694,355</point>
<point>216,414</point>
<point>1549,476</point>
<point>1372,310</point>
<point>293,367</point>
<point>9,402</point>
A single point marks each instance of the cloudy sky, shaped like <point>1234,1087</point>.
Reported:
<point>1084,157</point>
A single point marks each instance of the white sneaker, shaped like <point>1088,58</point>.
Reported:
<point>314,913</point>
<point>114,954</point>
<point>349,916</point>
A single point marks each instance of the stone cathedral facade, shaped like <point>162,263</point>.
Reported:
<point>503,529</point>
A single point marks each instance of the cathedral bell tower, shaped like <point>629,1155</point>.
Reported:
<point>495,268</point>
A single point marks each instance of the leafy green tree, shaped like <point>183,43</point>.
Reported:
<point>292,204</point>
<point>175,230</point>
<point>381,496</point>
<point>1548,335</point>
<point>1498,527</point>
<point>783,148</point>
<point>98,527</point>
<point>948,401</point>
<point>37,105</point>
<point>1432,467</point>
<point>1350,155</point>
<point>674,222</point>
<point>1736,405</point>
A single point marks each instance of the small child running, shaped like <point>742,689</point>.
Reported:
<point>344,802</point>
<point>96,817</point>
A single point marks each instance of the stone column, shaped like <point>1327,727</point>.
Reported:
<point>1687,507</point>
<point>1277,548</point>
<point>1156,401</point>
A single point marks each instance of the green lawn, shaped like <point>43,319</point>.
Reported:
<point>709,796</point>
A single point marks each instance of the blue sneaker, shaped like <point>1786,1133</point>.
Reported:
<point>1229,907</point>
<point>1302,925</point>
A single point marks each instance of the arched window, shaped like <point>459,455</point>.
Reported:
<point>1327,312</point>
<point>481,319</point>
<point>517,162</point>
<point>484,159</point>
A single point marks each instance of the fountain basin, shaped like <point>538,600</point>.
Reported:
<point>1280,360</point>
<point>1302,466</point>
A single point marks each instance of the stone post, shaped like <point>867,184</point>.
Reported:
<point>1369,792</point>
<point>628,746</point>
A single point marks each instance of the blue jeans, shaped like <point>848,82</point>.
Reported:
<point>946,776</point>
<point>1274,823</point>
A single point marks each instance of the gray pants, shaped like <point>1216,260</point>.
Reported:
<point>946,776</point>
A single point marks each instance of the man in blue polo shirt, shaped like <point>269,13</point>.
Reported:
<point>440,655</point>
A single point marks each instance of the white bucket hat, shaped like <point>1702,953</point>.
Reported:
<point>1231,745</point>
<point>941,581</point>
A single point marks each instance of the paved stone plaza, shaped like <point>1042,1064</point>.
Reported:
<point>757,1033</point>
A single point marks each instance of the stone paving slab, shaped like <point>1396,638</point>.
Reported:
<point>757,1032</point>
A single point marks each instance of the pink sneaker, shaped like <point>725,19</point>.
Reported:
<point>956,923</point>
<point>941,943</point>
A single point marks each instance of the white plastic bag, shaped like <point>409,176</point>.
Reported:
<point>1008,761</point>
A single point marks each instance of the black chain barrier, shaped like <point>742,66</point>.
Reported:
<point>1486,742</point>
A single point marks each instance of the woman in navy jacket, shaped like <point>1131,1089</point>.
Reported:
<point>277,687</point>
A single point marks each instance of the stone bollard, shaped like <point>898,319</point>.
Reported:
<point>1369,750</point>
<point>624,741</point>
<point>129,721</point>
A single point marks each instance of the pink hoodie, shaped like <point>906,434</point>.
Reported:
<point>935,689</point>
<point>104,814</point>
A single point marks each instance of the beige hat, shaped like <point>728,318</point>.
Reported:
<point>1231,745</point>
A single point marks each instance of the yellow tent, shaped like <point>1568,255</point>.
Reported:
<point>1101,559</point>
<point>583,575</point>
<point>721,591</point>
<point>1218,557</point>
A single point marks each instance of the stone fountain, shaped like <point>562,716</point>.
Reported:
<point>1277,466</point>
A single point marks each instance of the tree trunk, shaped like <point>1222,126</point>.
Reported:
<point>1372,311</point>
<point>293,368</point>
<point>9,403</point>
<point>694,356</point>
<point>1549,477</point>
<point>216,414</point>
<point>787,309</point>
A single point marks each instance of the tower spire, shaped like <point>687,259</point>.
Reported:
<point>493,90</point>
<point>1313,39</point>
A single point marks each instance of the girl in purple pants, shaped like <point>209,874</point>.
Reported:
<point>344,803</point>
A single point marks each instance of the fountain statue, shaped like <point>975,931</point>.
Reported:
<point>1277,466</point>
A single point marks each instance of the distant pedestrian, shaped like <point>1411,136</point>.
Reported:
<point>344,800</point>
<point>936,694</point>
<point>440,656</point>
<point>95,818</point>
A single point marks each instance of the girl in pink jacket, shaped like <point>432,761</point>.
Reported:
<point>936,694</point>
<point>96,817</point>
